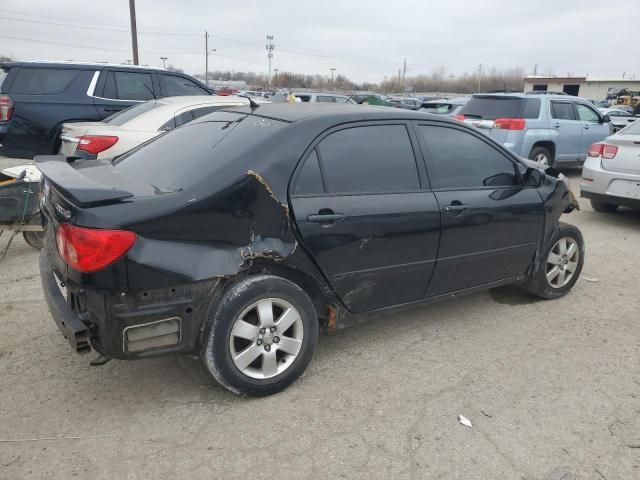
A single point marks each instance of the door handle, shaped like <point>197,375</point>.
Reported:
<point>586,126</point>
<point>325,218</point>
<point>454,208</point>
<point>557,124</point>
<point>113,109</point>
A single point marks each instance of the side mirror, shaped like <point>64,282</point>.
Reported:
<point>533,177</point>
<point>605,119</point>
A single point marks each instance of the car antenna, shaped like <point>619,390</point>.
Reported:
<point>252,104</point>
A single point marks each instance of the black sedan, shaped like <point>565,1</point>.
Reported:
<point>239,236</point>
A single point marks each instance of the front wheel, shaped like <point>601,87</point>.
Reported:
<point>561,265</point>
<point>542,156</point>
<point>262,336</point>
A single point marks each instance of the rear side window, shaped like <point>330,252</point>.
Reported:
<point>492,107</point>
<point>562,111</point>
<point>225,136</point>
<point>177,86</point>
<point>461,160</point>
<point>531,108</point>
<point>371,159</point>
<point>42,81</point>
<point>309,181</point>
<point>325,98</point>
<point>133,86</point>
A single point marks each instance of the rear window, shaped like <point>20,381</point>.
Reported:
<point>633,129</point>
<point>440,108</point>
<point>42,81</point>
<point>120,118</point>
<point>161,162</point>
<point>492,107</point>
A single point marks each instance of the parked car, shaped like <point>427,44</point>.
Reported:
<point>550,129</point>
<point>321,97</point>
<point>36,98</point>
<point>239,235</point>
<point>619,118</point>
<point>254,94</point>
<point>379,100</point>
<point>406,103</point>
<point>445,106</point>
<point>129,128</point>
<point>611,174</point>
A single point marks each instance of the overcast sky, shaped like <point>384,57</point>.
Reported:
<point>363,40</point>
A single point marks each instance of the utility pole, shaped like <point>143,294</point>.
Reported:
<point>333,69</point>
<point>535,70</point>
<point>270,48</point>
<point>404,72</point>
<point>479,76</point>
<point>276,80</point>
<point>134,31</point>
<point>164,62</point>
<point>206,58</point>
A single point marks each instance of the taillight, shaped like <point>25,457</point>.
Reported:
<point>510,123</point>
<point>6,108</point>
<point>96,143</point>
<point>91,249</point>
<point>459,117</point>
<point>607,151</point>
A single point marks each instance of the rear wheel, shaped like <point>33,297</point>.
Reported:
<point>541,155</point>
<point>34,239</point>
<point>561,265</point>
<point>603,207</point>
<point>262,336</point>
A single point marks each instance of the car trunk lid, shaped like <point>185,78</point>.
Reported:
<point>627,156</point>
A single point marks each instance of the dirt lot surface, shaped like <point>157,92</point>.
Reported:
<point>552,389</point>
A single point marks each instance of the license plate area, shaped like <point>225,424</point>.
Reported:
<point>625,189</point>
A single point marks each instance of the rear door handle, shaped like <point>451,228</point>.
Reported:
<point>457,208</point>
<point>325,218</point>
<point>557,124</point>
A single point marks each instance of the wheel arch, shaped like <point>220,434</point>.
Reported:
<point>549,145</point>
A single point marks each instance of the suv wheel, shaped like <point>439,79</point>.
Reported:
<point>262,336</point>
<point>561,266</point>
<point>603,207</point>
<point>541,155</point>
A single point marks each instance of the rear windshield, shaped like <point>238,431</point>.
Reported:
<point>123,116</point>
<point>492,107</point>
<point>633,129</point>
<point>42,81</point>
<point>182,156</point>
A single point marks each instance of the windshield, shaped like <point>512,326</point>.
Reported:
<point>123,116</point>
<point>222,135</point>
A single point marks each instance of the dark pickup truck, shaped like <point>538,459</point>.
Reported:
<point>36,98</point>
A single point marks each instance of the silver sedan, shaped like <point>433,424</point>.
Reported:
<point>611,173</point>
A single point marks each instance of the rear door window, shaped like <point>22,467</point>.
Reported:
<point>369,159</point>
<point>562,111</point>
<point>42,81</point>
<point>325,98</point>
<point>177,86</point>
<point>133,86</point>
<point>309,181</point>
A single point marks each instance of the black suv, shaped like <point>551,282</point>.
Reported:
<point>36,98</point>
<point>240,234</point>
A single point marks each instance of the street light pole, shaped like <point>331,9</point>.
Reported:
<point>276,80</point>
<point>134,30</point>
<point>270,48</point>
<point>333,69</point>
<point>164,61</point>
<point>206,58</point>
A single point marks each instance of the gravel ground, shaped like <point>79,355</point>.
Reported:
<point>552,389</point>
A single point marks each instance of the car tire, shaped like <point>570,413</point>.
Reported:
<point>603,207</point>
<point>541,155</point>
<point>242,353</point>
<point>34,239</point>
<point>561,264</point>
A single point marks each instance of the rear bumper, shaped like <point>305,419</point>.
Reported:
<point>599,184</point>
<point>70,325</point>
<point>128,325</point>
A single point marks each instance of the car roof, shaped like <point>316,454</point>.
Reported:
<point>524,95</point>
<point>331,112</point>
<point>79,65</point>
<point>187,100</point>
<point>452,101</point>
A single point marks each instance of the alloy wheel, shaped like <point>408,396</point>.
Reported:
<point>562,262</point>
<point>542,159</point>
<point>266,338</point>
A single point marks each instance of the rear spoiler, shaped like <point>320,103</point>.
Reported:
<point>77,187</point>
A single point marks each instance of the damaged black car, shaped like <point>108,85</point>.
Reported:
<point>239,236</point>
